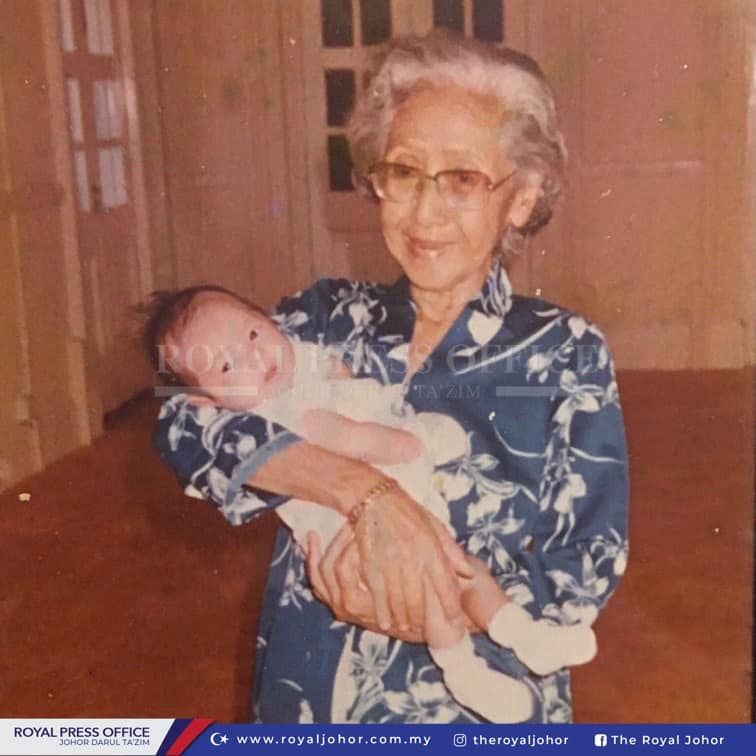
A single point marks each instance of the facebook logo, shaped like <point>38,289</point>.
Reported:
<point>599,740</point>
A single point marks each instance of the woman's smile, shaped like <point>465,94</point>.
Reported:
<point>426,249</point>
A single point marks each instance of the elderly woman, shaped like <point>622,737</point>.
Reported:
<point>458,142</point>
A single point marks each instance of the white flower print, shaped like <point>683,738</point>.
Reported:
<point>555,708</point>
<point>580,397</point>
<point>614,548</point>
<point>496,296</point>
<point>489,530</point>
<point>539,364</point>
<point>290,323</point>
<point>457,477</point>
<point>483,327</point>
<point>306,715</point>
<point>577,326</point>
<point>358,684</point>
<point>305,712</point>
<point>295,590</point>
<point>570,487</point>
<point>423,702</point>
<point>584,596</point>
<point>520,594</point>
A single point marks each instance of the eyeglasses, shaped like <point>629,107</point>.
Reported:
<point>460,189</point>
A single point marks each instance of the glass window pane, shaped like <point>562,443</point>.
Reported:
<point>67,39</point>
<point>82,182</point>
<point>107,109</point>
<point>102,118</point>
<point>449,13</point>
<point>339,95</point>
<point>74,110</point>
<point>119,176</point>
<point>106,177</point>
<point>106,28</point>
<point>115,111</point>
<point>99,26</point>
<point>339,164</point>
<point>488,20</point>
<point>376,21</point>
<point>112,176</point>
<point>92,22</point>
<point>337,23</point>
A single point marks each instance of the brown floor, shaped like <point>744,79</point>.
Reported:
<point>121,597</point>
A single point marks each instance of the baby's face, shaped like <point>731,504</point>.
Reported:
<point>237,355</point>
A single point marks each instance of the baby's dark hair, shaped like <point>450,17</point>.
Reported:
<point>167,312</point>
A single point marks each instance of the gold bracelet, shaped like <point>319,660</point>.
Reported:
<point>378,490</point>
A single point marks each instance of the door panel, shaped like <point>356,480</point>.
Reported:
<point>116,275</point>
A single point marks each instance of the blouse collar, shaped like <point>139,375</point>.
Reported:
<point>494,297</point>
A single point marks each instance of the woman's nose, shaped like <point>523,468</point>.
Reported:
<point>430,206</point>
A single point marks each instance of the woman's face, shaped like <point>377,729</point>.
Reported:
<point>440,248</point>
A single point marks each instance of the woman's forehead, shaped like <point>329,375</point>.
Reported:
<point>449,122</point>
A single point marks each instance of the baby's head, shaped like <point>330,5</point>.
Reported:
<point>211,339</point>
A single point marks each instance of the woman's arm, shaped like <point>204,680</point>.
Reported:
<point>579,547</point>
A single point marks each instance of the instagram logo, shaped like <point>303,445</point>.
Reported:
<point>599,740</point>
<point>460,740</point>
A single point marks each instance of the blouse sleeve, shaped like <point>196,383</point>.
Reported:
<point>579,546</point>
<point>214,451</point>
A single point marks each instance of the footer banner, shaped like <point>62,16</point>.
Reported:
<point>194,737</point>
<point>148,737</point>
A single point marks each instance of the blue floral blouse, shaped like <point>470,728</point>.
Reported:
<point>537,489</point>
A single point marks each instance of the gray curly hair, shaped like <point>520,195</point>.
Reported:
<point>531,137</point>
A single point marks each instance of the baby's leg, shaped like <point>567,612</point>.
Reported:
<point>542,646</point>
<point>467,676</point>
<point>494,695</point>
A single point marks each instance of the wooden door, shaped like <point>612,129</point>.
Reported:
<point>95,49</point>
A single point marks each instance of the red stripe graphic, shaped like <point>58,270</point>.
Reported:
<point>193,730</point>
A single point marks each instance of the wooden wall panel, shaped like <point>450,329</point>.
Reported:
<point>43,412</point>
<point>647,79</point>
<point>236,162</point>
<point>148,79</point>
<point>19,439</point>
<point>651,240</point>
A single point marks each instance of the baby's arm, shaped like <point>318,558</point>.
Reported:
<point>540,645</point>
<point>372,442</point>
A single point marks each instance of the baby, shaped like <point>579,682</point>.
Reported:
<point>226,351</point>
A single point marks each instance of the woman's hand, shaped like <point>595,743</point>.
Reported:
<point>399,543</point>
<point>336,582</point>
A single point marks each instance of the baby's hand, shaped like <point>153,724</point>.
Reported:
<point>481,596</point>
<point>440,631</point>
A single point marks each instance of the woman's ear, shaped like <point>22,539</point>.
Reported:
<point>522,205</point>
